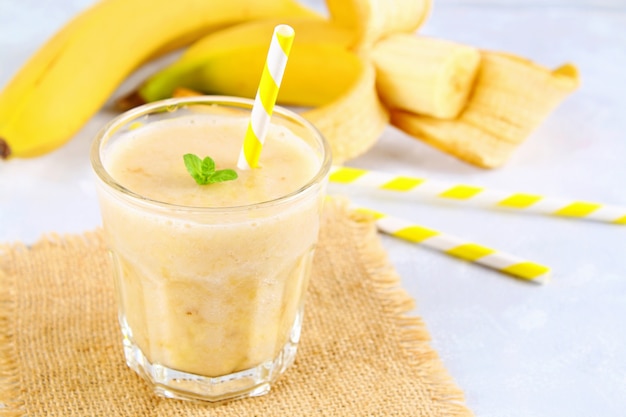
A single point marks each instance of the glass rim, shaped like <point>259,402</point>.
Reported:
<point>239,102</point>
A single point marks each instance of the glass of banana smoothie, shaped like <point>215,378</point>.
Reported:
<point>210,279</point>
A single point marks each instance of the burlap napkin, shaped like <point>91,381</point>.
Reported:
<point>360,355</point>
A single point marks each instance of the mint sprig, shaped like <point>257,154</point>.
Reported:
<point>203,170</point>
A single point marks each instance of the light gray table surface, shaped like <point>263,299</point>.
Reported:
<point>516,350</point>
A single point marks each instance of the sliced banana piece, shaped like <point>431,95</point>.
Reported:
<point>428,76</point>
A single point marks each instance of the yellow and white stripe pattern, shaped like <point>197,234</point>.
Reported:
<point>460,248</point>
<point>266,94</point>
<point>478,196</point>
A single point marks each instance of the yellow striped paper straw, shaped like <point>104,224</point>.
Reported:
<point>478,196</point>
<point>460,248</point>
<point>266,94</point>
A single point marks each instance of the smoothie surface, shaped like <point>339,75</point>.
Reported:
<point>149,162</point>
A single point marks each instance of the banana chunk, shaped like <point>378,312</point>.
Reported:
<point>372,20</point>
<point>431,77</point>
<point>511,98</point>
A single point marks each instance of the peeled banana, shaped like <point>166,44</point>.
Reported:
<point>350,129</point>
<point>372,20</point>
<point>76,71</point>
<point>431,77</point>
<point>512,96</point>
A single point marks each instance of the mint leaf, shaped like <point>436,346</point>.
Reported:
<point>194,167</point>
<point>203,170</point>
<point>208,165</point>
<point>222,175</point>
<point>193,163</point>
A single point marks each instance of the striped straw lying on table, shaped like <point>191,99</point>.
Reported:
<point>460,248</point>
<point>478,196</point>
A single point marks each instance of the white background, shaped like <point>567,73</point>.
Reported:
<point>517,350</point>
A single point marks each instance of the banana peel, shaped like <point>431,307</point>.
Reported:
<point>305,83</point>
<point>354,122</point>
<point>347,109</point>
<point>322,73</point>
<point>351,123</point>
<point>229,61</point>
<point>511,98</point>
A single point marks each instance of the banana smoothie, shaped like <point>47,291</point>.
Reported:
<point>210,278</point>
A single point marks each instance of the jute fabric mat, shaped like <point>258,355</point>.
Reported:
<point>360,353</point>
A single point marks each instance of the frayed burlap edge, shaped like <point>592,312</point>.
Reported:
<point>11,404</point>
<point>414,336</point>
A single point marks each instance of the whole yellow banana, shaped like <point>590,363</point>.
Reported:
<point>75,72</point>
<point>322,73</point>
<point>230,61</point>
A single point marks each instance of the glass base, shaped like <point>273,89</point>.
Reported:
<point>170,383</point>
